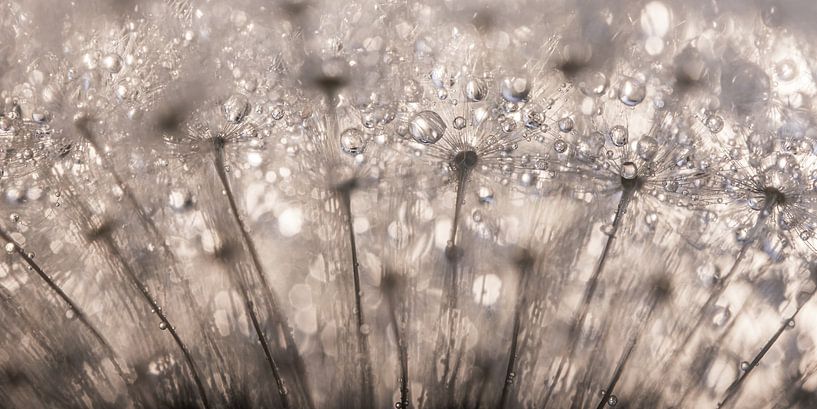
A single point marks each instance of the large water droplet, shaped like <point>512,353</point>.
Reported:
<point>427,127</point>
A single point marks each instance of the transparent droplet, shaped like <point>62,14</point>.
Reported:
<point>112,63</point>
<point>427,127</point>
<point>786,70</point>
<point>515,89</point>
<point>612,401</point>
<point>236,108</point>
<point>459,122</point>
<point>594,84</point>
<point>277,113</point>
<point>714,123</point>
<point>631,92</point>
<point>353,141</point>
<point>629,170</point>
<point>566,124</point>
<point>744,366</point>
<point>618,135</point>
<point>560,146</point>
<point>647,148</point>
<point>162,325</point>
<point>70,314</point>
<point>486,195</point>
<point>476,90</point>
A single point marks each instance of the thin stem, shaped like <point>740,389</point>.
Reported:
<point>524,271</point>
<point>722,284</point>
<point>402,350</point>
<point>367,389</point>
<point>627,194</point>
<point>642,325</point>
<point>166,324</point>
<point>453,255</point>
<point>276,372</point>
<point>735,386</point>
<point>622,362</point>
<point>220,165</point>
<point>80,314</point>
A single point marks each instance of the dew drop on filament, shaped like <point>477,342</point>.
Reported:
<point>427,127</point>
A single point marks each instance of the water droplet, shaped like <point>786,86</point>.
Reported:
<point>772,15</point>
<point>631,92</point>
<point>651,218</point>
<point>566,124</point>
<point>427,127</point>
<point>476,90</point>
<point>560,146</point>
<point>721,316</point>
<point>786,70</point>
<point>629,170</point>
<point>618,135</point>
<point>742,234</point>
<point>612,401</point>
<point>162,325</point>
<point>647,147</point>
<point>459,122</point>
<point>744,366</point>
<point>70,314</point>
<point>10,247</point>
<point>486,195</point>
<point>112,63</point>
<point>714,123</point>
<point>593,84</point>
<point>277,113</point>
<point>236,108</point>
<point>515,89</point>
<point>353,141</point>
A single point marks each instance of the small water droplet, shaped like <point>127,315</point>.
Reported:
<point>112,63</point>
<point>629,170</point>
<point>459,122</point>
<point>566,124</point>
<point>631,92</point>
<point>714,123</point>
<point>612,401</point>
<point>619,135</point>
<point>277,112</point>
<point>560,146</point>
<point>162,325</point>
<point>353,141</point>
